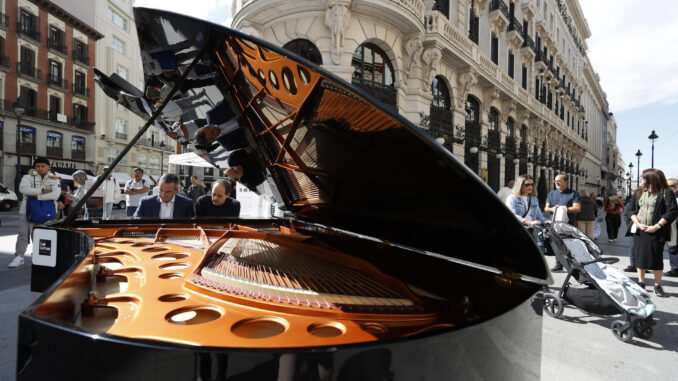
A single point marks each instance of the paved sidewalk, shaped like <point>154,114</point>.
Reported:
<point>580,346</point>
<point>575,346</point>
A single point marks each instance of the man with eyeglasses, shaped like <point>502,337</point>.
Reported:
<point>563,196</point>
<point>506,191</point>
<point>167,204</point>
<point>218,204</point>
<point>673,245</point>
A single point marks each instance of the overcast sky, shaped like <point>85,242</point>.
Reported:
<point>632,48</point>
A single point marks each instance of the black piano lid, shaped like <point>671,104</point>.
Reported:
<point>331,153</point>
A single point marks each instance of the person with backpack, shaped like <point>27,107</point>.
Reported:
<point>135,190</point>
<point>41,189</point>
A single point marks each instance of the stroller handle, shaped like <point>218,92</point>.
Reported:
<point>608,260</point>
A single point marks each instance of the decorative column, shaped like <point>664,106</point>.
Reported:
<point>337,19</point>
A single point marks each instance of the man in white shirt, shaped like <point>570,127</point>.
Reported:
<point>506,191</point>
<point>135,190</point>
<point>110,189</point>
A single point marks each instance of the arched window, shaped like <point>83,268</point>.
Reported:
<point>305,49</point>
<point>472,133</point>
<point>510,151</point>
<point>440,114</point>
<point>522,167</point>
<point>493,149</point>
<point>373,72</point>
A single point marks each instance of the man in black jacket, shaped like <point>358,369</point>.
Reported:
<point>218,204</point>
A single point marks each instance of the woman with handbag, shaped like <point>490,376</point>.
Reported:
<point>652,213</point>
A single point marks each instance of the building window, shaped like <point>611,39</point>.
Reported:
<point>80,115</point>
<point>373,73</point>
<point>474,23</point>
<point>55,76</point>
<point>524,77</point>
<point>154,162</point>
<point>54,144</point>
<point>78,147</point>
<point>141,160</point>
<point>306,49</point>
<point>118,45</point>
<point>510,65</point>
<point>440,112</point>
<point>117,19</point>
<point>30,99</point>
<point>121,71</point>
<point>121,129</point>
<point>26,135</point>
<point>54,108</point>
<point>495,50</point>
<point>113,154</point>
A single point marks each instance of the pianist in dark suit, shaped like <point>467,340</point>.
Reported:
<point>219,203</point>
<point>168,203</point>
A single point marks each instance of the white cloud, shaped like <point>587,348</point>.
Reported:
<point>631,48</point>
<point>202,9</point>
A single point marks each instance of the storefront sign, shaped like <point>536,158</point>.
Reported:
<point>55,135</point>
<point>26,130</point>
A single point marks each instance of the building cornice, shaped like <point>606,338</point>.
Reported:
<point>579,19</point>
<point>75,22</point>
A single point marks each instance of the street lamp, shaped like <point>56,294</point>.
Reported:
<point>162,157</point>
<point>652,137</point>
<point>638,155</point>
<point>19,110</point>
<point>630,174</point>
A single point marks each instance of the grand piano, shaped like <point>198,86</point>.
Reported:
<point>386,259</point>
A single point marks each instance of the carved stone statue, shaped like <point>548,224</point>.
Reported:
<point>431,58</point>
<point>412,49</point>
<point>337,18</point>
<point>466,81</point>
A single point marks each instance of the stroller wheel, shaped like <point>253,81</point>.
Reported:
<point>622,330</point>
<point>643,328</point>
<point>553,305</point>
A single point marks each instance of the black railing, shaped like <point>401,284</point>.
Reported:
<point>81,57</point>
<point>539,56</point>
<point>4,62</point>
<point>80,90</point>
<point>384,93</point>
<point>81,123</point>
<point>501,6</point>
<point>528,42</point>
<point>120,135</point>
<point>514,24</point>
<point>78,155</point>
<point>4,21</point>
<point>55,152</point>
<point>57,81</point>
<point>28,30</point>
<point>57,46</point>
<point>28,70</point>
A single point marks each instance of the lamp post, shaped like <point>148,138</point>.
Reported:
<point>628,180</point>
<point>652,138</point>
<point>638,155</point>
<point>630,174</point>
<point>19,110</point>
<point>162,157</point>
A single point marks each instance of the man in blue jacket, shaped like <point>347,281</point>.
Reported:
<point>168,203</point>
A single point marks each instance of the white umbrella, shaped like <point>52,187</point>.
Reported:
<point>190,159</point>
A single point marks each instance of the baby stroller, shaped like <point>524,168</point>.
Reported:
<point>607,290</point>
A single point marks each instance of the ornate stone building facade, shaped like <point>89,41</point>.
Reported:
<point>505,85</point>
